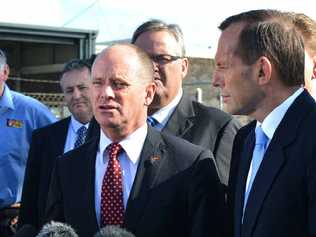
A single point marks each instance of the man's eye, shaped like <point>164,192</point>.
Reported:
<point>96,82</point>
<point>119,85</point>
<point>82,88</point>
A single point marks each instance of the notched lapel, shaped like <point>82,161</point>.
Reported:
<point>275,158</point>
<point>269,169</point>
<point>182,118</point>
<point>245,160</point>
<point>85,175</point>
<point>147,172</point>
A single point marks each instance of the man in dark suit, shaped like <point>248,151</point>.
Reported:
<point>52,141</point>
<point>260,70</point>
<point>176,112</point>
<point>133,176</point>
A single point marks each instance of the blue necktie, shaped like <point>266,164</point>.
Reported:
<point>81,136</point>
<point>152,121</point>
<point>258,153</point>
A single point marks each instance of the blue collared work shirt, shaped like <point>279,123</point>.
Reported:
<point>19,116</point>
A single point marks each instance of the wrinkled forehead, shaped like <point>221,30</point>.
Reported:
<point>228,41</point>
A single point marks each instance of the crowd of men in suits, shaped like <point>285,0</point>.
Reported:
<point>192,172</point>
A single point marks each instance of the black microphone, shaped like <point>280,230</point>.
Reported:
<point>26,231</point>
<point>113,231</point>
<point>57,229</point>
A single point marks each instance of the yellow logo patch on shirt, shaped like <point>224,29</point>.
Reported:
<point>14,123</point>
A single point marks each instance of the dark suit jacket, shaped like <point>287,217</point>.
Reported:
<point>208,127</point>
<point>47,144</point>
<point>175,194</point>
<point>282,198</point>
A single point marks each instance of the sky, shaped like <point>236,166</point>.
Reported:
<point>117,19</point>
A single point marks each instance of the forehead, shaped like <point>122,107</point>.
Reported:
<point>74,77</point>
<point>228,42</point>
<point>115,63</point>
<point>158,42</point>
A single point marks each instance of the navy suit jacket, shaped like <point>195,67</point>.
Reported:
<point>176,191</point>
<point>282,201</point>
<point>205,126</point>
<point>47,144</point>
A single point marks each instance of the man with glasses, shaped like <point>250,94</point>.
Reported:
<point>19,116</point>
<point>172,110</point>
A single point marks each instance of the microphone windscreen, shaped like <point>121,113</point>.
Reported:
<point>113,231</point>
<point>57,229</point>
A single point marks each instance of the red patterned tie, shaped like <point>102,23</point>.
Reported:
<point>112,207</point>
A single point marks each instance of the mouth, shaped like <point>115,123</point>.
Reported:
<point>107,108</point>
<point>158,81</point>
<point>79,104</point>
<point>225,98</point>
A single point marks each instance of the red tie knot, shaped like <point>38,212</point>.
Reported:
<point>114,149</point>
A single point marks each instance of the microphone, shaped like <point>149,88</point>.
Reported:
<point>26,231</point>
<point>113,231</point>
<point>57,229</point>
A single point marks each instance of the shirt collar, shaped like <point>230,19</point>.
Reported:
<point>272,121</point>
<point>6,100</point>
<point>75,124</point>
<point>132,144</point>
<point>163,115</point>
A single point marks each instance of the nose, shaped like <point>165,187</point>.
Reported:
<point>76,93</point>
<point>156,66</point>
<point>108,92</point>
<point>217,80</point>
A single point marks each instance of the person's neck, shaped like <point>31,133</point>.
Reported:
<point>271,101</point>
<point>1,89</point>
<point>84,120</point>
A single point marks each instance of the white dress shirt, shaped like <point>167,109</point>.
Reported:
<point>163,115</point>
<point>72,133</point>
<point>129,159</point>
<point>272,121</point>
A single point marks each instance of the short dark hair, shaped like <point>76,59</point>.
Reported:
<point>159,25</point>
<point>76,64</point>
<point>270,33</point>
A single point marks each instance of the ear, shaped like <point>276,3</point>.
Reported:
<point>184,66</point>
<point>150,93</point>
<point>264,70</point>
<point>314,68</point>
<point>4,73</point>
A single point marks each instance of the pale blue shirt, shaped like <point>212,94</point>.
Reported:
<point>272,121</point>
<point>129,159</point>
<point>19,116</point>
<point>163,115</point>
<point>72,133</point>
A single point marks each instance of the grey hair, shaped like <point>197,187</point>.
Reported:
<point>159,25</point>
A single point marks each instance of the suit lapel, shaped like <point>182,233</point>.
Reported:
<point>85,166</point>
<point>182,118</point>
<point>273,161</point>
<point>61,135</point>
<point>245,159</point>
<point>150,162</point>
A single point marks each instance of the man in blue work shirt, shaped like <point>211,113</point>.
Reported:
<point>19,116</point>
